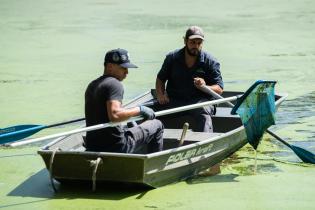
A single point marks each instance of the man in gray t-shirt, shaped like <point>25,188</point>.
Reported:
<point>103,104</point>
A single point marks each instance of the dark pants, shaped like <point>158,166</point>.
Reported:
<point>202,116</point>
<point>148,133</point>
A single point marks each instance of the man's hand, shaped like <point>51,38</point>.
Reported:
<point>161,94</point>
<point>198,82</point>
<point>147,113</point>
<point>163,98</point>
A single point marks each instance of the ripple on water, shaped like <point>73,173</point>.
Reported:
<point>21,81</point>
<point>158,22</point>
<point>285,54</point>
<point>10,81</point>
<point>301,107</point>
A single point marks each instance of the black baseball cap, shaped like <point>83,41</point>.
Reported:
<point>120,57</point>
<point>194,32</point>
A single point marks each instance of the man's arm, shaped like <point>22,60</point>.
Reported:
<point>213,77</point>
<point>116,113</point>
<point>161,79</point>
<point>200,82</point>
<point>216,88</point>
<point>160,92</point>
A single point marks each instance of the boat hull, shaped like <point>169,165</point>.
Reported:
<point>67,160</point>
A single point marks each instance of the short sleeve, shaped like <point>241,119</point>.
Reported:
<point>164,72</point>
<point>214,73</point>
<point>115,90</point>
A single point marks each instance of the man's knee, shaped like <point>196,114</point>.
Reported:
<point>157,124</point>
<point>160,124</point>
<point>152,127</point>
<point>158,129</point>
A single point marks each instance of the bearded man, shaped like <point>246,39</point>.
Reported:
<point>183,72</point>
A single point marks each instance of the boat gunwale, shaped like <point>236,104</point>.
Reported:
<point>45,150</point>
<point>151,155</point>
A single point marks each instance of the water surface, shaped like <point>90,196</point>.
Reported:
<point>51,50</point>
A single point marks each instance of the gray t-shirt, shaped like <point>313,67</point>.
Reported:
<point>98,92</point>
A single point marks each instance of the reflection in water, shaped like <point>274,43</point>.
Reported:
<point>213,179</point>
<point>249,170</point>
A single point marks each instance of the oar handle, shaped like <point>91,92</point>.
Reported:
<point>150,103</point>
<point>111,124</point>
<point>18,132</point>
<point>194,106</point>
<point>209,91</point>
<point>79,130</point>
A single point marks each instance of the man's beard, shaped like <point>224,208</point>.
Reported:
<point>193,52</point>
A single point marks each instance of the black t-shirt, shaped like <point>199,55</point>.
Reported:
<point>98,92</point>
<point>180,78</point>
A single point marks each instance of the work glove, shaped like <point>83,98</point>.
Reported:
<point>147,113</point>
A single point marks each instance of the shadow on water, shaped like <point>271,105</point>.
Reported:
<point>212,179</point>
<point>104,191</point>
<point>206,177</point>
<point>39,186</point>
<point>35,186</point>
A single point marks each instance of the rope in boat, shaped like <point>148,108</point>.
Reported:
<point>94,164</point>
<point>51,169</point>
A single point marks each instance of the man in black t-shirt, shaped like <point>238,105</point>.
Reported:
<point>183,72</point>
<point>103,104</point>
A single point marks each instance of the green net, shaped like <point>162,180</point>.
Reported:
<point>256,109</point>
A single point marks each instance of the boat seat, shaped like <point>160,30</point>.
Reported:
<point>224,112</point>
<point>190,135</point>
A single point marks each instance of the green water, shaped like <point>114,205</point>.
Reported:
<point>50,50</point>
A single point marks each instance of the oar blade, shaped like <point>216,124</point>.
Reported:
<point>18,132</point>
<point>303,154</point>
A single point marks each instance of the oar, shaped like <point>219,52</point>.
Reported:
<point>18,132</point>
<point>303,154</point>
<point>110,124</point>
